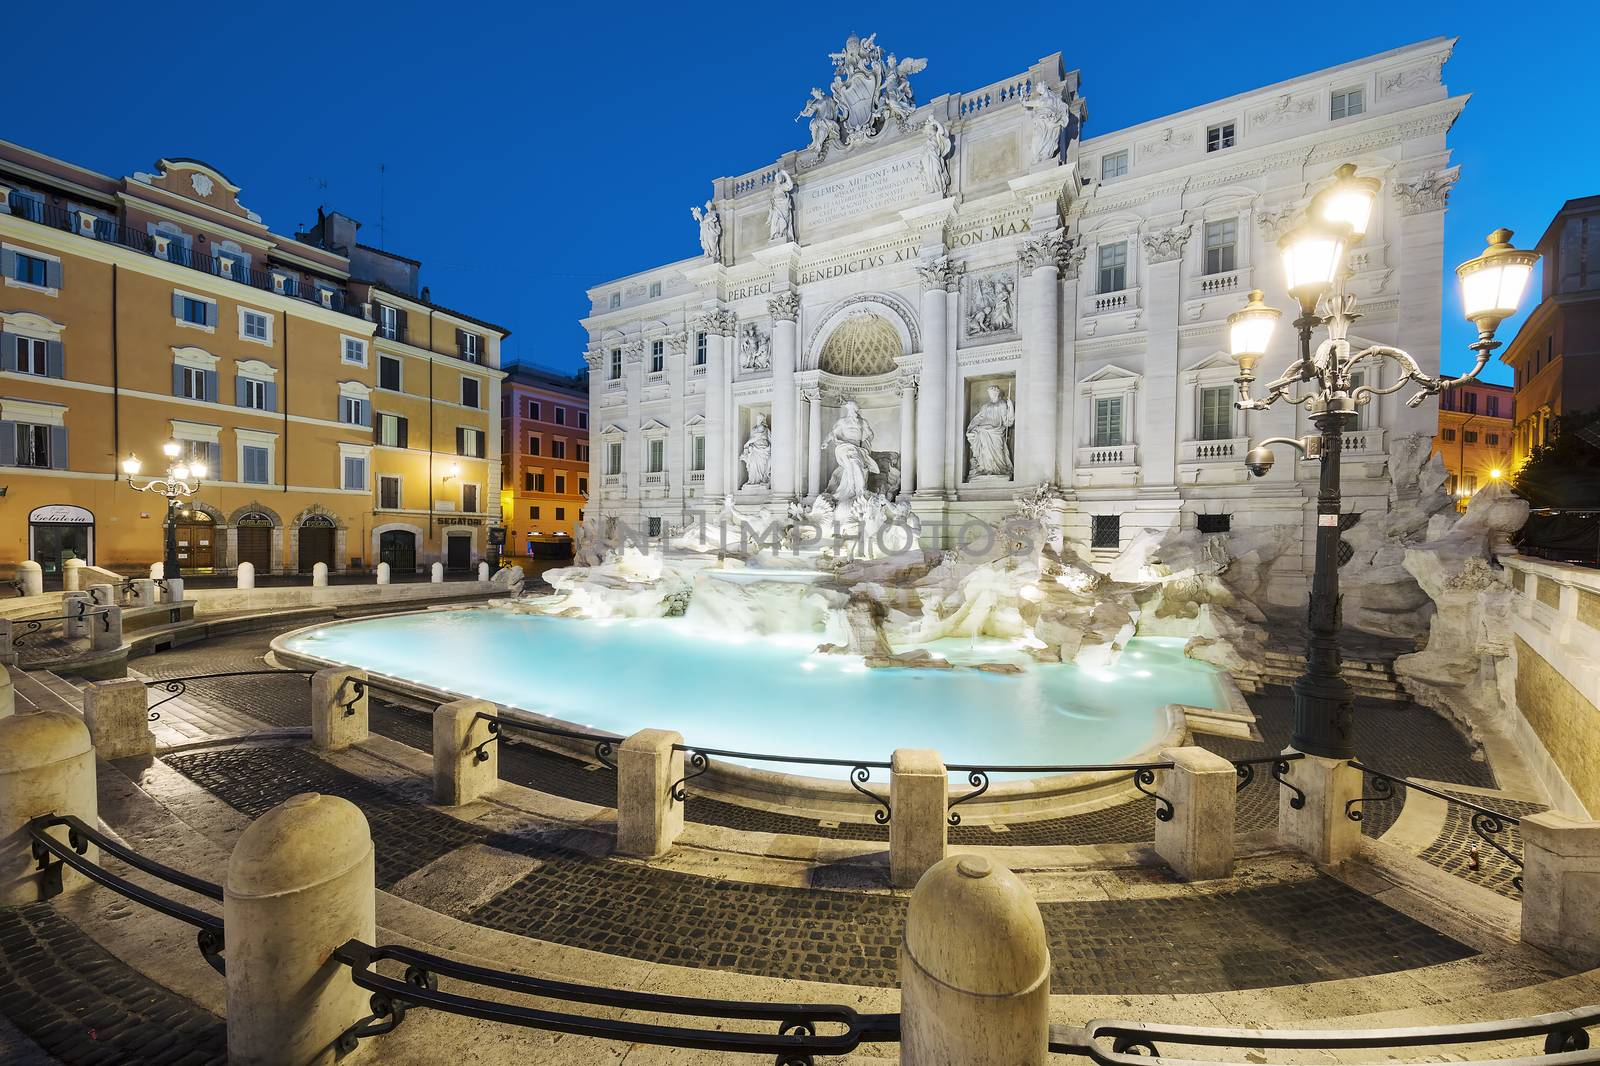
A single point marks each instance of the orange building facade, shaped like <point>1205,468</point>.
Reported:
<point>1475,429</point>
<point>544,417</point>
<point>340,416</point>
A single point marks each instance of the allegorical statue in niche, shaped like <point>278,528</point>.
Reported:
<point>935,149</point>
<point>710,231</point>
<point>756,455</point>
<point>755,348</point>
<point>780,214</point>
<point>988,436</point>
<point>824,114</point>
<point>851,441</point>
<point>1050,117</point>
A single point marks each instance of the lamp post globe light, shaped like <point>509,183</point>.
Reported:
<point>1315,269</point>
<point>181,481</point>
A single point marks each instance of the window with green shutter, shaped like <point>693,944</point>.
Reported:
<point>1108,422</point>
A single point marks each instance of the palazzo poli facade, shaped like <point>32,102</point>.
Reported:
<point>968,299</point>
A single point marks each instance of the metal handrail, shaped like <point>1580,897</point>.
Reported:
<point>698,761</point>
<point>179,685</point>
<point>80,835</point>
<point>1485,821</point>
<point>1135,1043</point>
<point>1245,770</point>
<point>31,626</point>
<point>1141,774</point>
<point>604,743</point>
<point>796,1042</point>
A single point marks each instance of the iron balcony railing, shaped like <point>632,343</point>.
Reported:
<point>112,232</point>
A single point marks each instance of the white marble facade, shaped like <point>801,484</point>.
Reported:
<point>1053,314</point>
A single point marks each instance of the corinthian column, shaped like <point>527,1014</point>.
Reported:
<point>1041,357</point>
<point>906,386</point>
<point>714,324</point>
<point>785,308</point>
<point>814,443</point>
<point>930,422</point>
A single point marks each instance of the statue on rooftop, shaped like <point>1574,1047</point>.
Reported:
<point>710,231</point>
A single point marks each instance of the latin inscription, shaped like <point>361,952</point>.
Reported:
<point>966,238</point>
<point>893,184</point>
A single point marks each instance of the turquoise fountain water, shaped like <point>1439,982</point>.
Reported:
<point>776,694</point>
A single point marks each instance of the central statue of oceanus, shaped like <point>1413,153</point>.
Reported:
<point>866,91</point>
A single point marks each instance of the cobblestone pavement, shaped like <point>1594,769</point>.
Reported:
<point>1261,936</point>
<point>80,1004</point>
<point>1453,850</point>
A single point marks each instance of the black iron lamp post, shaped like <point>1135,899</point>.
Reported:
<point>1314,263</point>
<point>181,480</point>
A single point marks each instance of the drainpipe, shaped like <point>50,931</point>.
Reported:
<point>116,382</point>
<point>284,398</point>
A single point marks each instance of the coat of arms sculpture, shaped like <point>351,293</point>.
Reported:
<point>867,90</point>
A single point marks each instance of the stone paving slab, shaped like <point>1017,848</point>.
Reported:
<point>1311,929</point>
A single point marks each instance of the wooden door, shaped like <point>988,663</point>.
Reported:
<point>197,546</point>
<point>255,547</point>
<point>316,546</point>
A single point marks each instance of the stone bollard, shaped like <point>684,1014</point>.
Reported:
<point>1561,883</point>
<point>46,766</point>
<point>649,820</point>
<point>141,592</point>
<point>174,589</point>
<point>118,718</point>
<point>32,577</point>
<point>8,694</point>
<point>319,576</point>
<point>72,575</point>
<point>436,574</point>
<point>383,573</point>
<point>157,571</point>
<point>1321,828</point>
<point>102,594</point>
<point>459,776</point>
<point>245,577</point>
<point>974,969</point>
<point>72,603</point>
<point>1197,842</point>
<point>300,883</point>
<point>919,788</point>
<point>338,708</point>
<point>105,629</point>
<point>483,572</point>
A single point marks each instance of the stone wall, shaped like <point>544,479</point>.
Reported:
<point>1566,723</point>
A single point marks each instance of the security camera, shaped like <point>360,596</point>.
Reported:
<point>1259,461</point>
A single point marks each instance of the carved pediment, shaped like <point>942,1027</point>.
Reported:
<point>194,180</point>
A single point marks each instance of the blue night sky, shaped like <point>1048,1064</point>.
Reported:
<point>533,150</point>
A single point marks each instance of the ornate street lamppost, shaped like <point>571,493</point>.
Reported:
<point>181,481</point>
<point>1314,266</point>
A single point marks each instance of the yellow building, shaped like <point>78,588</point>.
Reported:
<point>544,425</point>
<point>1476,423</point>
<point>340,415</point>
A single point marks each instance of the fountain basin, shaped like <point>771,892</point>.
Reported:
<point>776,695</point>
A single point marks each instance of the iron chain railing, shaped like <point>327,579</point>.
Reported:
<point>799,1039</point>
<point>604,743</point>
<point>34,626</point>
<point>697,761</point>
<point>1485,822</point>
<point>179,685</point>
<point>1127,1043</point>
<point>50,852</point>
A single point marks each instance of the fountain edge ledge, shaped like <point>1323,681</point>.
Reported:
<point>800,793</point>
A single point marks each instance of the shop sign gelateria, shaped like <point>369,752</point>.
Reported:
<point>61,513</point>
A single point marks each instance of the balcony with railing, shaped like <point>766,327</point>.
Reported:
<point>1108,455</point>
<point>98,227</point>
<point>1220,284</point>
<point>1110,303</point>
<point>1230,450</point>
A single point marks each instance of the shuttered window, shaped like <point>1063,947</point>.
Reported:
<point>253,465</point>
<point>389,373</point>
<point>1216,413</point>
<point>392,431</point>
<point>469,442</point>
<point>1108,422</point>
